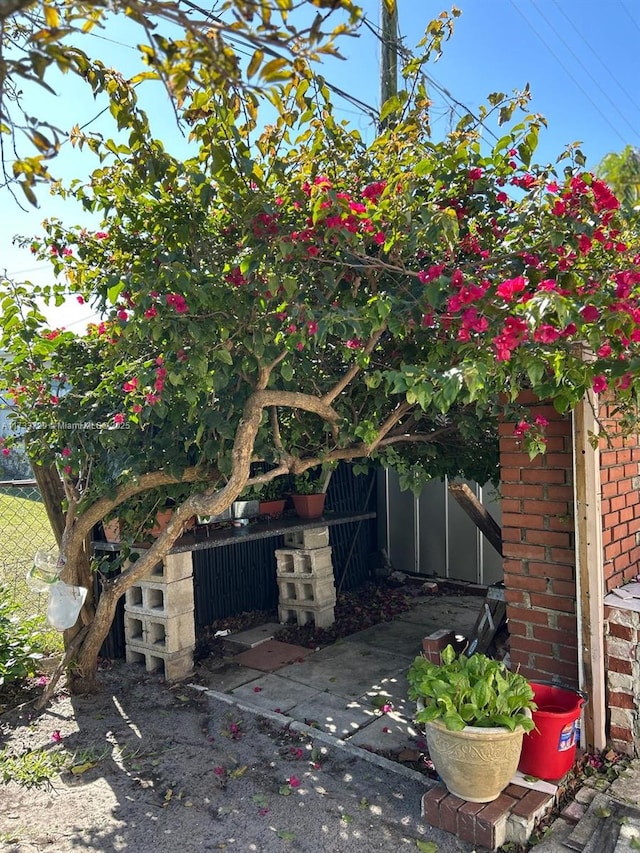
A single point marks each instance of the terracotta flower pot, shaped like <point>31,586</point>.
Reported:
<point>111,530</point>
<point>163,517</point>
<point>309,506</point>
<point>273,509</point>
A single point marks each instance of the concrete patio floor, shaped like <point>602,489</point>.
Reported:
<point>343,688</point>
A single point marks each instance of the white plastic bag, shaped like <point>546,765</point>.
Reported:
<point>65,604</point>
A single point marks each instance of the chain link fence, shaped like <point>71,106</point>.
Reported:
<point>24,529</point>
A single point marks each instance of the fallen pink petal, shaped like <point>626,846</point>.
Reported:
<point>56,736</point>
<point>294,781</point>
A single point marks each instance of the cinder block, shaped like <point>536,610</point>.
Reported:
<point>174,567</point>
<point>174,665</point>
<point>304,561</point>
<point>322,617</point>
<point>164,633</point>
<point>317,537</point>
<point>313,592</point>
<point>133,628</point>
<point>160,599</point>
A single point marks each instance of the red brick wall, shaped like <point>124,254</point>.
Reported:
<point>539,551</point>
<point>619,473</point>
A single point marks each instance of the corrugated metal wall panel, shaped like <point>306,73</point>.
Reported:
<point>432,534</point>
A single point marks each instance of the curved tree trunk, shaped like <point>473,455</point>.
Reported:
<point>52,494</point>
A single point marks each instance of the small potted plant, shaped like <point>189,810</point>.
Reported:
<point>247,505</point>
<point>273,497</point>
<point>308,496</point>
<point>475,712</point>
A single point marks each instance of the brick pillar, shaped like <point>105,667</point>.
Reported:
<point>620,479</point>
<point>539,551</point>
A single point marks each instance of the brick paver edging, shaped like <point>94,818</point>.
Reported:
<point>510,818</point>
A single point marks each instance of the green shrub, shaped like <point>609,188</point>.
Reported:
<point>21,641</point>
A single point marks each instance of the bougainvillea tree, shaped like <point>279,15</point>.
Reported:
<point>297,297</point>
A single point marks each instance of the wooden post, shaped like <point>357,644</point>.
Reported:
<point>589,571</point>
<point>480,516</point>
<point>388,53</point>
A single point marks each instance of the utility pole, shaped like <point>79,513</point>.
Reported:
<point>388,52</point>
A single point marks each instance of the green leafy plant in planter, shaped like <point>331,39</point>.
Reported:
<point>475,713</point>
<point>273,497</point>
<point>470,691</point>
<point>308,496</point>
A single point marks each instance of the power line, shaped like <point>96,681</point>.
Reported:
<point>567,71</point>
<point>613,77</point>
<point>630,16</point>
<point>583,66</point>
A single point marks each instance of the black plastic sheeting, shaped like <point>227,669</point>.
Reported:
<point>242,577</point>
<point>113,647</point>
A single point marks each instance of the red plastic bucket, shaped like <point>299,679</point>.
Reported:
<point>549,751</point>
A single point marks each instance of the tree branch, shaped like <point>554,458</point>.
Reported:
<point>353,371</point>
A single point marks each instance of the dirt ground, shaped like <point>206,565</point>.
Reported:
<point>153,767</point>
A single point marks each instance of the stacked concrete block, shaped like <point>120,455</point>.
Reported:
<point>305,578</point>
<point>159,619</point>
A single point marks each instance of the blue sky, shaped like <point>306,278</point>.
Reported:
<point>581,59</point>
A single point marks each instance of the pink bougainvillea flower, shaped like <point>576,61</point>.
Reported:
<point>178,303</point>
<point>386,729</point>
<point>599,384</point>
<point>118,418</point>
<point>474,174</point>
<point>257,689</point>
<point>387,709</point>
<point>510,288</point>
<point>379,238</point>
<point>56,736</point>
<point>102,235</point>
<point>546,334</point>
<point>150,313</point>
<point>122,315</point>
<point>137,408</point>
<point>5,451</point>
<point>219,771</point>
<point>130,385</point>
<point>294,781</point>
<point>66,451</point>
<point>373,191</point>
<point>541,421</point>
<point>354,343</point>
<point>584,244</point>
<point>312,327</point>
<point>590,314</point>
<point>80,300</point>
